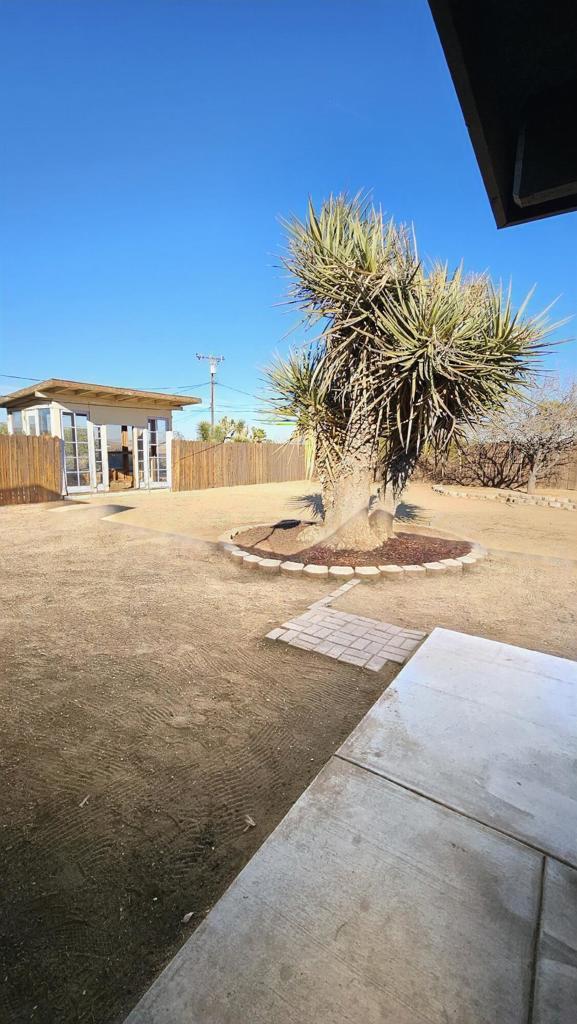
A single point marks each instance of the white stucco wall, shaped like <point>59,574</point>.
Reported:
<point>102,414</point>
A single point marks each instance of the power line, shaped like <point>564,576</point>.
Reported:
<point>14,376</point>
<point>198,407</point>
<point>249,393</point>
<point>180,387</point>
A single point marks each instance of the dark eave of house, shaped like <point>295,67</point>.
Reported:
<point>514,67</point>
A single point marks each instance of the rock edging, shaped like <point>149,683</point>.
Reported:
<point>361,573</point>
<point>510,498</point>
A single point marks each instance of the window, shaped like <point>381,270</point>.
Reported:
<point>76,459</point>
<point>45,426</point>
<point>31,418</point>
<point>35,422</point>
<point>17,422</point>
<point>157,455</point>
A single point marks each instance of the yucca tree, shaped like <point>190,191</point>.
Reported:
<point>404,357</point>
<point>294,399</point>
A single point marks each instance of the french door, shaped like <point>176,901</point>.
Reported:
<point>85,454</point>
<point>157,452</point>
<point>76,451</point>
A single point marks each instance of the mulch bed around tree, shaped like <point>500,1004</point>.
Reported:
<point>282,541</point>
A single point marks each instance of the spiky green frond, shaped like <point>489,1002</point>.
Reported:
<point>293,398</point>
<point>406,356</point>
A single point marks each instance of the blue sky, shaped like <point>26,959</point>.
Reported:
<point>150,147</point>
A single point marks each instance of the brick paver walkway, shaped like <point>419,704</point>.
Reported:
<point>352,638</point>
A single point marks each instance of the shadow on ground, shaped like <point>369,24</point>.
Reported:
<point>408,513</point>
<point>310,503</point>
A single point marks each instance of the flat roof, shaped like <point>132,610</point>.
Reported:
<point>95,394</point>
<point>514,69</point>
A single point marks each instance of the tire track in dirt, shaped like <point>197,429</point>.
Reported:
<point>135,674</point>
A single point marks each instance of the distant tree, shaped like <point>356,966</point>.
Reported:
<point>178,435</point>
<point>228,429</point>
<point>239,431</point>
<point>3,428</point>
<point>538,430</point>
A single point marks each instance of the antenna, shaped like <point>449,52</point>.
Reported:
<point>213,361</point>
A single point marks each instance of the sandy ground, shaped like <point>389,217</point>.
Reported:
<point>142,717</point>
<point>206,514</point>
<point>527,605</point>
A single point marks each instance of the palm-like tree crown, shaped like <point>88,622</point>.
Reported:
<point>405,356</point>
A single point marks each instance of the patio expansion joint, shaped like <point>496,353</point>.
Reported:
<point>536,941</point>
<point>545,854</point>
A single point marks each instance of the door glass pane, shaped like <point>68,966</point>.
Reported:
<point>68,426</point>
<point>17,426</point>
<point>82,427</point>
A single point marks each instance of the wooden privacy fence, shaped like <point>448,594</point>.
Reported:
<point>30,469</point>
<point>196,464</point>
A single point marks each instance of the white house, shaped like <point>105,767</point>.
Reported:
<point>113,438</point>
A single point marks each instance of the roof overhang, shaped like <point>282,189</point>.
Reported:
<point>514,67</point>
<point>94,394</point>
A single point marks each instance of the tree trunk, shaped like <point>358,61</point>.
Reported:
<point>532,479</point>
<point>349,522</point>
<point>346,522</point>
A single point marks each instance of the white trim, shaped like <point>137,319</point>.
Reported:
<point>169,459</point>
<point>135,466</point>
<point>55,420</point>
<point>145,456</point>
<point>104,444</point>
<point>91,456</point>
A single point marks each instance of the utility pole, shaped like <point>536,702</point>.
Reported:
<point>213,361</point>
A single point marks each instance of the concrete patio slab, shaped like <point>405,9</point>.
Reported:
<point>488,729</point>
<point>367,904</point>
<point>556,980</point>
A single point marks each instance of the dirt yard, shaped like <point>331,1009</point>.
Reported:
<point>532,606</point>
<point>538,531</point>
<point>143,717</point>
